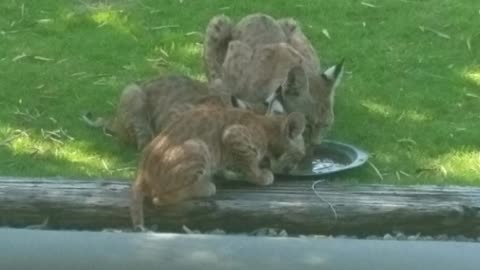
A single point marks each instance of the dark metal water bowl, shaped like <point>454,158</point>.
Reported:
<point>330,157</point>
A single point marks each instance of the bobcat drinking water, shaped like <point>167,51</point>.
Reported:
<point>259,53</point>
<point>179,163</point>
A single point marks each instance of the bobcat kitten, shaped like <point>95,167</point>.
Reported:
<point>146,108</point>
<point>180,162</point>
<point>260,53</point>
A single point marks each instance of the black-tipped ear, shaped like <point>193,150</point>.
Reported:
<point>279,95</point>
<point>275,103</point>
<point>237,103</point>
<point>234,101</point>
<point>334,73</point>
<point>297,82</point>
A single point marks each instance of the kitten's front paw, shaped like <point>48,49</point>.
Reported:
<point>139,228</point>
<point>265,178</point>
<point>211,189</point>
<point>204,189</point>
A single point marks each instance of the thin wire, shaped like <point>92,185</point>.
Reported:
<point>323,200</point>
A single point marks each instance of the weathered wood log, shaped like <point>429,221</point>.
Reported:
<point>55,250</point>
<point>289,205</point>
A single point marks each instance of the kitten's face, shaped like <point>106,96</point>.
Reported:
<point>287,146</point>
<point>266,67</point>
<point>314,97</point>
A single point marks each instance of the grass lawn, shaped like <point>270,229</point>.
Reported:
<point>411,95</point>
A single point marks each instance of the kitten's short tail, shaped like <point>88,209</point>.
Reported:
<point>98,122</point>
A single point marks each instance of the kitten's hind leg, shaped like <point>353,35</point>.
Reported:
<point>245,155</point>
<point>190,174</point>
<point>133,107</point>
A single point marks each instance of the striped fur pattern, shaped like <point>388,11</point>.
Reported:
<point>180,162</point>
<point>258,54</point>
<point>144,109</point>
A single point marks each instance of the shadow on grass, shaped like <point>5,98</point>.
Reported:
<point>426,124</point>
<point>89,54</point>
<point>436,142</point>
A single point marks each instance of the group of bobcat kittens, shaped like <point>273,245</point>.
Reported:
<point>265,102</point>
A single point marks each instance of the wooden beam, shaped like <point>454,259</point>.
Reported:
<point>54,250</point>
<point>290,205</point>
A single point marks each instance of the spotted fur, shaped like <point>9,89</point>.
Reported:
<point>179,163</point>
<point>146,108</point>
<point>256,55</point>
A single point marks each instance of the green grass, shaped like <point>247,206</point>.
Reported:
<point>410,97</point>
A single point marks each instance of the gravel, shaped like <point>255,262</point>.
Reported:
<point>399,236</point>
<point>274,232</point>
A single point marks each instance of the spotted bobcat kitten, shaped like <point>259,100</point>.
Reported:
<point>146,108</point>
<point>180,162</point>
<point>260,53</point>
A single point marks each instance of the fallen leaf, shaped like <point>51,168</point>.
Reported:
<point>22,10</point>
<point>472,95</point>
<point>160,27</point>
<point>193,33</point>
<point>47,20</point>
<point>368,4</point>
<point>18,57</point>
<point>406,140</point>
<point>438,33</point>
<point>443,171</point>
<point>78,74</point>
<point>105,165</point>
<point>61,61</point>
<point>164,52</point>
<point>325,33</point>
<point>41,58</point>
<point>376,170</point>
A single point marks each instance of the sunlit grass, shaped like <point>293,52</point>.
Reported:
<point>458,163</point>
<point>383,110</point>
<point>409,97</point>
<point>49,145</point>
<point>473,75</point>
<point>391,112</point>
<point>106,15</point>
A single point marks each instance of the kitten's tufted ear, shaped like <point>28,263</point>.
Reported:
<point>297,82</point>
<point>275,103</point>
<point>238,103</point>
<point>238,54</point>
<point>334,74</point>
<point>294,125</point>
